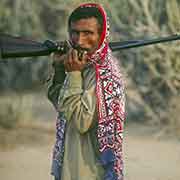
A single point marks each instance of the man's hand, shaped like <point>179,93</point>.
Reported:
<point>58,59</point>
<point>72,63</point>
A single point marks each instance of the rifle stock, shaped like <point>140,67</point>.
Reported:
<point>12,47</point>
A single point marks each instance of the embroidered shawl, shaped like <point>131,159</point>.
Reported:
<point>111,110</point>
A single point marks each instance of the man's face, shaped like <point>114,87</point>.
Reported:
<point>85,34</point>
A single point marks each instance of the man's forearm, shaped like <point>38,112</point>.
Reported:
<point>56,83</point>
<point>59,74</point>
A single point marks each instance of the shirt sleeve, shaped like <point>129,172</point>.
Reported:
<point>55,83</point>
<point>77,103</point>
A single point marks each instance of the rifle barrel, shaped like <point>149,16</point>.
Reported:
<point>115,46</point>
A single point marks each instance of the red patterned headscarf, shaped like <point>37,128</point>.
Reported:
<point>110,103</point>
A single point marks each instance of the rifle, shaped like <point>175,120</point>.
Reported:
<point>12,46</point>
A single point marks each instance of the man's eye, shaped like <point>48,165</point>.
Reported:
<point>74,32</point>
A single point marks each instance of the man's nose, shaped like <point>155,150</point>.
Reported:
<point>80,39</point>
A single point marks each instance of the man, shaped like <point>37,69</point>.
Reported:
<point>88,93</point>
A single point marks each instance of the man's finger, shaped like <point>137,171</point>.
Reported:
<point>84,57</point>
<point>70,57</point>
<point>74,55</point>
<point>76,58</point>
<point>57,57</point>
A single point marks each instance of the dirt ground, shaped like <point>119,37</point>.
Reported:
<point>147,156</point>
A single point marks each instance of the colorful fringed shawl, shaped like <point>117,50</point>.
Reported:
<point>111,110</point>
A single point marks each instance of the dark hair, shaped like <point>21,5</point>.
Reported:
<point>85,13</point>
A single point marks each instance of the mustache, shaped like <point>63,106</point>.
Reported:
<point>79,48</point>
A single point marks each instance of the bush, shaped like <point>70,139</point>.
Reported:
<point>9,112</point>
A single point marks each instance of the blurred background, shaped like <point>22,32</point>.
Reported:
<point>152,73</point>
